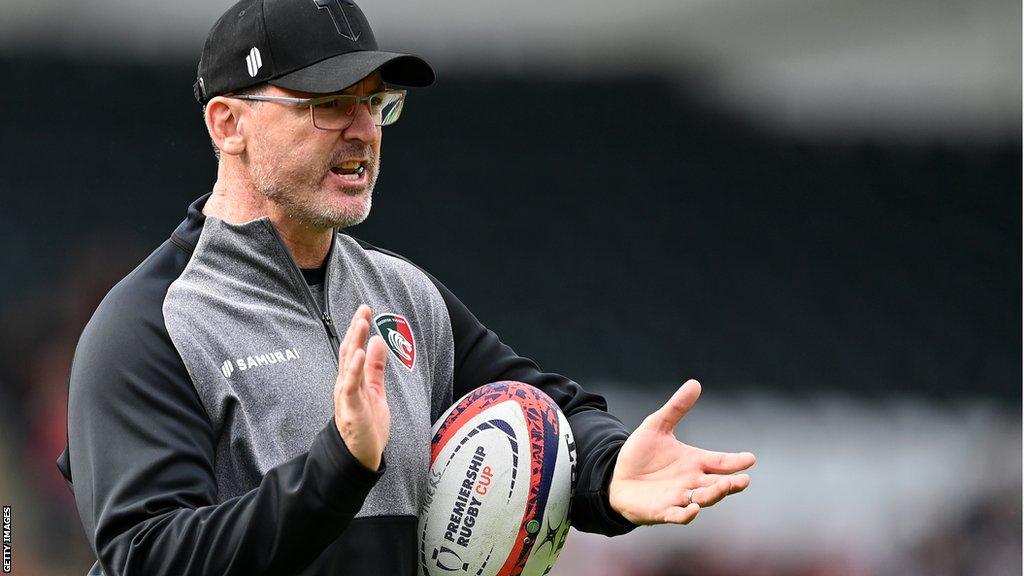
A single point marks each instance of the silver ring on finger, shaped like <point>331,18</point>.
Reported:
<point>689,498</point>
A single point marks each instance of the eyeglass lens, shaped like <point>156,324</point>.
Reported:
<point>338,113</point>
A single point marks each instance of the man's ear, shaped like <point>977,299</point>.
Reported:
<point>223,119</point>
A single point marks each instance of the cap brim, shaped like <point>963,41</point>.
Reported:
<point>339,72</point>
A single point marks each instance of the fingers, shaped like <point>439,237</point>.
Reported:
<point>708,480</point>
<point>354,376</point>
<point>666,418</point>
<point>714,492</point>
<point>358,366</point>
<point>376,361</point>
<point>726,462</point>
<point>354,336</point>
<point>344,346</point>
<point>361,412</point>
<point>350,372</point>
<point>680,515</point>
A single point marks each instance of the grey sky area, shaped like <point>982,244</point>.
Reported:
<point>916,69</point>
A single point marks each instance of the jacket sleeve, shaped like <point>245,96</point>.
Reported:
<point>481,358</point>
<point>142,451</point>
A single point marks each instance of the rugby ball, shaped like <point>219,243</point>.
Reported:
<point>502,470</point>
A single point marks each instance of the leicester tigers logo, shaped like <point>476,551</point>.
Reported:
<point>397,335</point>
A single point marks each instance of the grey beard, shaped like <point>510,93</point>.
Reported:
<point>318,216</point>
<point>298,199</point>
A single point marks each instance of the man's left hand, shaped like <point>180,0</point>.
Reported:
<point>659,480</point>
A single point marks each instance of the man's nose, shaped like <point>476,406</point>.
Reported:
<point>363,126</point>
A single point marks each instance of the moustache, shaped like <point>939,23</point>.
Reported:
<point>339,156</point>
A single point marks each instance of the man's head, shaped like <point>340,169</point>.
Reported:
<point>319,167</point>
<point>321,177</point>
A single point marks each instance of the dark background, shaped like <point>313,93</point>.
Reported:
<point>612,228</point>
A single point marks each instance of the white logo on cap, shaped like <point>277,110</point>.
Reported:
<point>253,61</point>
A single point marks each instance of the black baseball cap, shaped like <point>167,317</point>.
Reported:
<point>318,46</point>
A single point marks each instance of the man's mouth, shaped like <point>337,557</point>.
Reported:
<point>350,170</point>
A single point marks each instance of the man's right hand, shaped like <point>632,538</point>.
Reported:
<point>361,410</point>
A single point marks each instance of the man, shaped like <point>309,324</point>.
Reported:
<point>202,435</point>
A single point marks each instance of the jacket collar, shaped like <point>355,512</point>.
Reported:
<point>186,235</point>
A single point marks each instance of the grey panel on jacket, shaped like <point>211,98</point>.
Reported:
<point>249,331</point>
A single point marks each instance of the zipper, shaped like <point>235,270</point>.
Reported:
<point>325,314</point>
<point>311,305</point>
<point>326,319</point>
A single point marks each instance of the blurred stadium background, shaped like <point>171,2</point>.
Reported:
<point>814,207</point>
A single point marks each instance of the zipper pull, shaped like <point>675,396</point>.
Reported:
<point>329,325</point>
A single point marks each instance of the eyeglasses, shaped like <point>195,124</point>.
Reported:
<point>336,112</point>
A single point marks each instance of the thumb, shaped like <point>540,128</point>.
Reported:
<point>666,418</point>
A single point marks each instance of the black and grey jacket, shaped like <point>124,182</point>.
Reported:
<point>201,437</point>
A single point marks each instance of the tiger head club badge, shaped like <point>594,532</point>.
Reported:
<point>397,335</point>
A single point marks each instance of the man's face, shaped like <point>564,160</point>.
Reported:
<point>311,173</point>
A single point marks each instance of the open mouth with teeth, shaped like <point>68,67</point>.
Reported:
<point>351,170</point>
